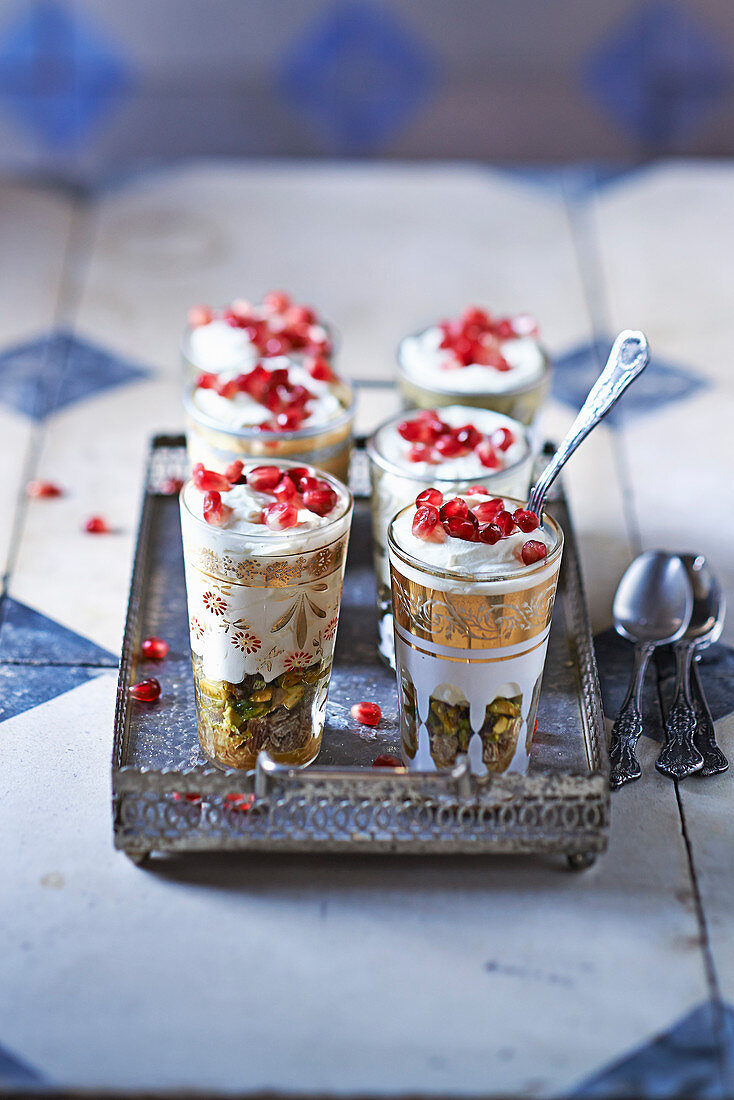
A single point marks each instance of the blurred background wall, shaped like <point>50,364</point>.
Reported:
<point>89,88</point>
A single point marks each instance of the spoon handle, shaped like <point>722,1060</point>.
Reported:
<point>624,765</point>
<point>627,359</point>
<point>679,756</point>
<point>714,760</point>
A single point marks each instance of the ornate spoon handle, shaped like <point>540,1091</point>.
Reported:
<point>679,756</point>
<point>714,760</point>
<point>624,765</point>
<point>627,359</point>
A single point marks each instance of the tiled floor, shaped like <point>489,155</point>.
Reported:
<point>469,977</point>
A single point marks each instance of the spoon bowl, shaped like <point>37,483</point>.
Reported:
<point>653,602</point>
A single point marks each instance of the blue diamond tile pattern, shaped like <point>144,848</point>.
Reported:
<point>357,74</point>
<point>659,384</point>
<point>27,635</point>
<point>59,76</point>
<point>660,73</point>
<point>686,1061</point>
<point>13,1071</point>
<point>23,687</point>
<point>58,370</point>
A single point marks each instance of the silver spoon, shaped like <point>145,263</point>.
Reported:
<point>652,607</point>
<point>627,359</point>
<point>690,739</point>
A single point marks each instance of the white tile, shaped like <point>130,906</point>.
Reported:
<point>183,975</point>
<point>16,432</point>
<point>380,249</point>
<point>709,814</point>
<point>35,224</point>
<point>96,450</point>
<point>666,237</point>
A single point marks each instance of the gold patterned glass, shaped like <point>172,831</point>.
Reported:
<point>393,487</point>
<point>262,628</point>
<point>326,446</point>
<point>470,650</point>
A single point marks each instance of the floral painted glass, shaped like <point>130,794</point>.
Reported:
<point>263,623</point>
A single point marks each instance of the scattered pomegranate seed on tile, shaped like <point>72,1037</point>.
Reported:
<point>97,525</point>
<point>40,489</point>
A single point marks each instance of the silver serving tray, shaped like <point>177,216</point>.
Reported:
<point>168,798</point>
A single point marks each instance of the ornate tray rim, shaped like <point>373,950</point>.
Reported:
<point>584,795</point>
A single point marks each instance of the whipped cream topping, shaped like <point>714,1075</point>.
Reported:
<point>243,411</point>
<point>433,367</point>
<point>394,449</point>
<point>242,528</point>
<point>457,555</point>
<point>241,333</point>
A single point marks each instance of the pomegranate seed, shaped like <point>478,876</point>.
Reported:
<point>172,486</point>
<point>420,452</point>
<point>410,430</point>
<point>430,496</point>
<point>145,691</point>
<point>320,501</point>
<point>425,521</point>
<point>207,381</point>
<point>533,551</point>
<point>505,522</point>
<point>369,714</point>
<point>199,315</point>
<point>263,479</point>
<point>320,370</point>
<point>525,519</point>
<point>308,482</point>
<point>233,473</point>
<point>475,490</point>
<point>454,508</point>
<point>503,329</point>
<point>489,533</point>
<point>97,525</point>
<point>279,517</point>
<point>277,345</point>
<point>300,315</point>
<point>488,509</point>
<point>468,436</point>
<point>277,301</point>
<point>473,315</point>
<point>209,480</point>
<point>40,489</point>
<point>154,648</point>
<point>502,439</point>
<point>215,513</point>
<point>289,421</point>
<point>458,528</point>
<point>285,490</point>
<point>297,474</point>
<point>486,454</point>
<point>230,388</point>
<point>384,760</point>
<point>448,446</point>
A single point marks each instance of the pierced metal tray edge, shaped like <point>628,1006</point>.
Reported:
<point>455,788</point>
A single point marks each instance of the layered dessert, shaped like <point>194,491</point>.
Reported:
<point>242,333</point>
<point>452,448</point>
<point>277,408</point>
<point>476,359</point>
<point>264,551</point>
<point>474,580</point>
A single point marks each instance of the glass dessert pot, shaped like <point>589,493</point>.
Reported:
<point>263,614</point>
<point>327,446</point>
<point>396,482</point>
<point>470,650</point>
